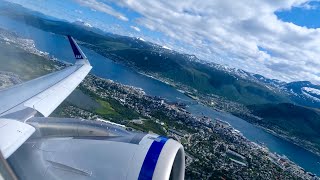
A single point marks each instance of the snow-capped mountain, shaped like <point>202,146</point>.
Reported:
<point>82,23</point>
<point>312,91</point>
<point>300,92</point>
<point>304,93</point>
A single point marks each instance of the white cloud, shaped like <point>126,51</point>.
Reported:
<point>102,7</point>
<point>231,32</point>
<point>135,28</point>
<point>78,11</point>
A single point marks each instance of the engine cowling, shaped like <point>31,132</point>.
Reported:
<point>64,148</point>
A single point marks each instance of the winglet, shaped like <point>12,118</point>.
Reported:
<point>78,54</point>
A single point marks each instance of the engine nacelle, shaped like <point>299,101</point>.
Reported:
<point>82,149</point>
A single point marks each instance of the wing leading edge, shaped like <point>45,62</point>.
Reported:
<point>46,93</point>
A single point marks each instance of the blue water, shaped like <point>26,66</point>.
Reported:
<point>59,47</point>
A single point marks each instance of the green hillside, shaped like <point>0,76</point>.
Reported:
<point>296,120</point>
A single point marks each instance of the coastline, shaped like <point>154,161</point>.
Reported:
<point>284,137</point>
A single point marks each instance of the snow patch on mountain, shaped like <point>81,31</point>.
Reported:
<point>82,23</point>
<point>310,96</point>
<point>141,39</point>
<point>311,90</point>
<point>166,47</point>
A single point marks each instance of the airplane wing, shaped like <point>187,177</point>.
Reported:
<point>44,94</point>
<point>63,148</point>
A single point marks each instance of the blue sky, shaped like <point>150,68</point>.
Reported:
<point>257,36</point>
<point>73,11</point>
<point>302,16</point>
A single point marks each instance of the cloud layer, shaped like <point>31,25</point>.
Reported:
<point>135,28</point>
<point>102,7</point>
<point>243,34</point>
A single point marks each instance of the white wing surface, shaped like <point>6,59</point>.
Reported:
<point>18,133</point>
<point>46,93</point>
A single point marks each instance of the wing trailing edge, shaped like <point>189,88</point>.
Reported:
<point>47,101</point>
<point>46,93</point>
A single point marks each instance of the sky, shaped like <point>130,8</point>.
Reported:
<point>279,39</point>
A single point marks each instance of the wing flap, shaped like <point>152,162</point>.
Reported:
<point>16,134</point>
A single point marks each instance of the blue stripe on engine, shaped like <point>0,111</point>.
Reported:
<point>151,159</point>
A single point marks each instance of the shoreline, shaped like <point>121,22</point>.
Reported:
<point>284,137</point>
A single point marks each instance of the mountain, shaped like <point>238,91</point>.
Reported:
<point>82,23</point>
<point>272,84</point>
<point>304,93</point>
<point>292,120</point>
